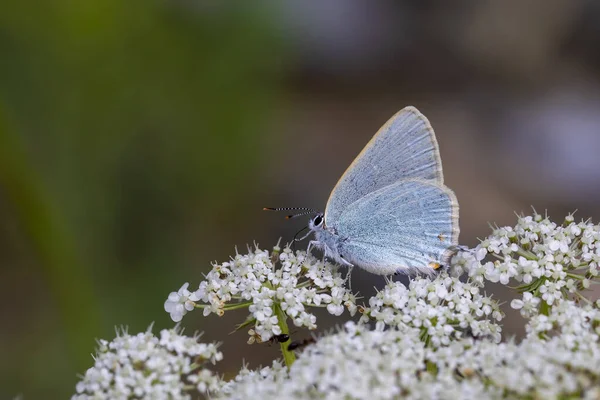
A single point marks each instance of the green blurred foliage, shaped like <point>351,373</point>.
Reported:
<point>121,124</point>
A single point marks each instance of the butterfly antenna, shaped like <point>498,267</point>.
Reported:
<point>305,209</point>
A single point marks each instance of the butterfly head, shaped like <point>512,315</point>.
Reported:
<point>317,222</point>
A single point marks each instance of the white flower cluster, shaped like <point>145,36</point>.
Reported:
<point>256,384</point>
<point>273,285</point>
<point>437,339</point>
<point>552,262</point>
<point>575,324</point>
<point>559,358</point>
<point>146,366</point>
<point>353,364</point>
<point>361,364</point>
<point>444,309</point>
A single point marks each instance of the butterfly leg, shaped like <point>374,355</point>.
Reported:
<point>303,237</point>
<point>320,246</point>
<point>349,276</point>
<point>313,243</point>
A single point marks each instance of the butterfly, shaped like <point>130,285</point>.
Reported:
<point>390,212</point>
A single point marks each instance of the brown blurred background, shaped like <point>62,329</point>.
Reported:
<point>139,141</point>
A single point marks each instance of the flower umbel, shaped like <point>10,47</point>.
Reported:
<point>146,366</point>
<point>358,363</point>
<point>273,286</point>
<point>551,262</point>
<point>444,309</point>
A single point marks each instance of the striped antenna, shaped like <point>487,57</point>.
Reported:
<point>305,209</point>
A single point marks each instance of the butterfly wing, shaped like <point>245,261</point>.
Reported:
<point>404,148</point>
<point>403,226</point>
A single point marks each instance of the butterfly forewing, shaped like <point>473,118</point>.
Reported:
<point>404,148</point>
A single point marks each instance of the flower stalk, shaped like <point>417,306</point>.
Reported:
<point>288,356</point>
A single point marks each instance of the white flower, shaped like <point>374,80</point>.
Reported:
<point>567,319</point>
<point>145,366</point>
<point>528,306</point>
<point>266,282</point>
<point>444,309</point>
<point>549,260</point>
<point>180,302</point>
<point>358,363</point>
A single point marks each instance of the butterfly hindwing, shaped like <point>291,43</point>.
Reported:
<point>406,225</point>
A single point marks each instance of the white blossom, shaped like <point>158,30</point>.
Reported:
<point>180,302</point>
<point>437,339</point>
<point>270,285</point>
<point>358,363</point>
<point>443,309</point>
<point>576,324</point>
<point>551,262</point>
<point>528,306</point>
<point>146,366</point>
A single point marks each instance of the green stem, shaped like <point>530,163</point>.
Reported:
<point>527,254</point>
<point>582,297</point>
<point>288,356</point>
<point>579,277</point>
<point>227,308</point>
<point>431,368</point>
<point>544,308</point>
<point>236,306</point>
<point>247,322</point>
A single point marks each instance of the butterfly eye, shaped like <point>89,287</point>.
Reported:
<point>318,220</point>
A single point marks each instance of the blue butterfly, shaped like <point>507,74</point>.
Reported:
<point>390,212</point>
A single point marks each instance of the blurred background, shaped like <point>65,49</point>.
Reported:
<point>140,140</point>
